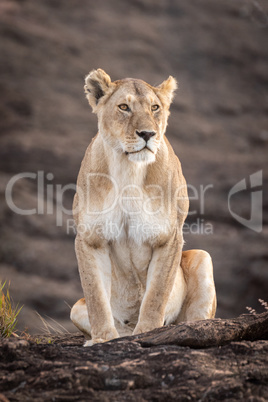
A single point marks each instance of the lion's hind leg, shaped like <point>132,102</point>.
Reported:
<point>79,317</point>
<point>200,300</point>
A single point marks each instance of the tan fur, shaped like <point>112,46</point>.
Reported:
<point>130,206</point>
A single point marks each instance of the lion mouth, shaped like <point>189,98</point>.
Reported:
<point>136,152</point>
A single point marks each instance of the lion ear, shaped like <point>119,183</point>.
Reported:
<point>97,85</point>
<point>166,90</point>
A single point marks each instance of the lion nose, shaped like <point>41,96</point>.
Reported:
<point>146,135</point>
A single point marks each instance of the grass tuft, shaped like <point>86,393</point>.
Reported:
<point>52,326</point>
<point>262,302</point>
<point>8,313</point>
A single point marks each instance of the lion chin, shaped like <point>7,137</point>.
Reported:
<point>144,156</point>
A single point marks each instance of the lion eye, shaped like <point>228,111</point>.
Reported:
<point>155,107</point>
<point>124,107</point>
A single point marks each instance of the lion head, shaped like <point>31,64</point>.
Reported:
<point>132,115</point>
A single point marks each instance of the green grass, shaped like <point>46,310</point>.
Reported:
<point>8,313</point>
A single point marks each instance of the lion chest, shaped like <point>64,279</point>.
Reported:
<point>135,218</point>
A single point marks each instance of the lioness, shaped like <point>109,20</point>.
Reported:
<point>129,208</point>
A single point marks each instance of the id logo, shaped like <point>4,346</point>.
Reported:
<point>255,220</point>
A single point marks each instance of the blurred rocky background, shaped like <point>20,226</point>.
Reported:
<point>218,127</point>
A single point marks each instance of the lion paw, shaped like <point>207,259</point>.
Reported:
<point>92,342</point>
<point>140,329</point>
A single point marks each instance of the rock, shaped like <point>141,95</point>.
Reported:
<point>151,366</point>
<point>202,334</point>
<point>217,126</point>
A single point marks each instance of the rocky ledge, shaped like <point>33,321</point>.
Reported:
<point>209,360</point>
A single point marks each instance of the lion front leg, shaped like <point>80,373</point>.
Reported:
<point>95,273</point>
<point>160,281</point>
